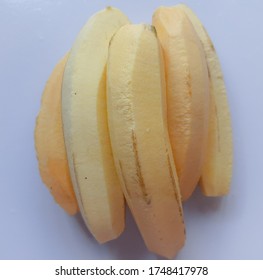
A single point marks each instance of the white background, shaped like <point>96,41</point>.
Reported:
<point>34,35</point>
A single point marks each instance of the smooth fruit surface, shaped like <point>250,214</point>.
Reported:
<point>85,124</point>
<point>50,145</point>
<point>217,170</point>
<point>139,137</point>
<point>187,94</point>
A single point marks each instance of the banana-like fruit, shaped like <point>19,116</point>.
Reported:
<point>187,94</point>
<point>140,140</point>
<point>50,145</point>
<point>217,169</point>
<point>85,124</point>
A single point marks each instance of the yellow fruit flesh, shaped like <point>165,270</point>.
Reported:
<point>50,145</point>
<point>217,169</point>
<point>137,119</point>
<point>85,123</point>
<point>139,137</point>
<point>187,94</point>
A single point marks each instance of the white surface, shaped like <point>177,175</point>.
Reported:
<point>35,34</point>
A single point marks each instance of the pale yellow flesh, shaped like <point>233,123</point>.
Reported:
<point>50,145</point>
<point>217,170</point>
<point>187,94</point>
<point>139,137</point>
<point>86,133</point>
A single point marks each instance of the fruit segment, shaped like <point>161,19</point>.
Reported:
<point>187,94</point>
<point>217,170</point>
<point>139,137</point>
<point>85,123</point>
<point>50,145</point>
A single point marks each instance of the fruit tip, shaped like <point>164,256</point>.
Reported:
<point>149,27</point>
<point>109,8</point>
